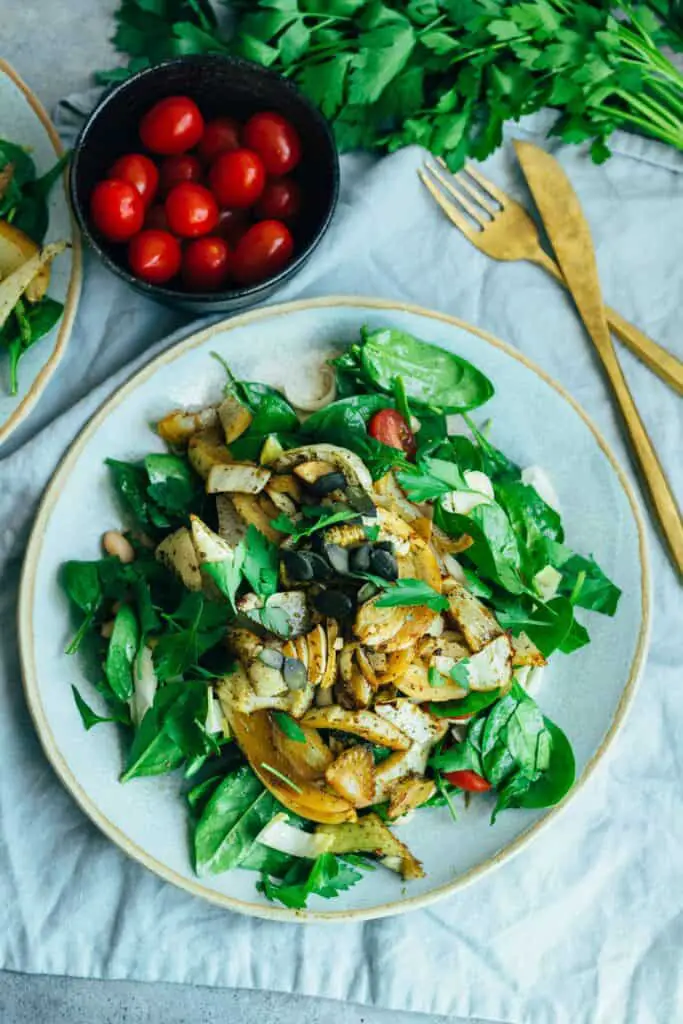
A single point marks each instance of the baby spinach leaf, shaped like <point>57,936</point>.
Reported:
<point>131,482</point>
<point>495,552</point>
<point>171,730</point>
<point>231,820</point>
<point>81,582</point>
<point>528,513</point>
<point>493,462</point>
<point>475,585</point>
<point>475,701</point>
<point>271,411</point>
<point>576,638</point>
<point>556,780</point>
<point>88,716</point>
<point>408,592</point>
<point>596,592</point>
<point>548,625</point>
<point>432,478</point>
<point>123,646</point>
<point>432,376</point>
<point>172,484</point>
<point>28,323</point>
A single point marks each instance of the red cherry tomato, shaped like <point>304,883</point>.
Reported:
<point>231,225</point>
<point>154,256</point>
<point>389,427</point>
<point>155,218</point>
<point>275,140</point>
<point>117,209</point>
<point>262,251</point>
<point>468,780</point>
<point>281,199</point>
<point>191,210</point>
<point>138,170</point>
<point>174,170</point>
<point>172,125</point>
<point>206,264</point>
<point>220,135</point>
<point>237,178</point>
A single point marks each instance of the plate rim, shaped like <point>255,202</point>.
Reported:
<point>40,381</point>
<point>25,624</point>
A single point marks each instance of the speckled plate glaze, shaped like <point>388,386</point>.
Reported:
<point>587,694</point>
<point>24,121</point>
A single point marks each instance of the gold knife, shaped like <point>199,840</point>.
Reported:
<point>571,240</point>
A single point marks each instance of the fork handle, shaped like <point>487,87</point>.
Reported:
<point>661,362</point>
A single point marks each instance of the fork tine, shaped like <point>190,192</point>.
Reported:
<point>475,193</point>
<point>448,207</point>
<point>462,200</point>
<point>487,185</point>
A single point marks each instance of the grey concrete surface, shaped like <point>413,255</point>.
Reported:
<point>55,45</point>
<point>26,1000</point>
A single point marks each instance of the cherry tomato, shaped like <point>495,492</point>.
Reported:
<point>262,251</point>
<point>231,225</point>
<point>220,135</point>
<point>154,256</point>
<point>275,140</point>
<point>191,210</point>
<point>389,427</point>
<point>138,170</point>
<point>469,780</point>
<point>117,209</point>
<point>172,125</point>
<point>206,264</point>
<point>237,178</point>
<point>155,218</point>
<point>281,198</point>
<point>176,169</point>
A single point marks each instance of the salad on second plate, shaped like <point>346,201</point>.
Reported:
<point>331,621</point>
<point>27,312</point>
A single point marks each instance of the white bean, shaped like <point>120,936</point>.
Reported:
<point>115,544</point>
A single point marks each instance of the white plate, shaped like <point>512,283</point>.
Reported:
<point>24,122</point>
<point>534,420</point>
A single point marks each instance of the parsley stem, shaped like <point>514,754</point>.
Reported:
<point>651,109</point>
<point>201,16</point>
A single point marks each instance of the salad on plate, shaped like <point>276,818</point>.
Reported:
<point>27,312</point>
<point>329,618</point>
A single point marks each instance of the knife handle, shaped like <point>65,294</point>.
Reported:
<point>663,500</point>
<point>661,362</point>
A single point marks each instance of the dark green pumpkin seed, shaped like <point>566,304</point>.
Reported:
<point>361,501</point>
<point>294,672</point>
<point>328,483</point>
<point>367,591</point>
<point>360,558</point>
<point>272,658</point>
<point>338,557</point>
<point>384,564</point>
<point>298,565</point>
<point>321,570</point>
<point>334,603</point>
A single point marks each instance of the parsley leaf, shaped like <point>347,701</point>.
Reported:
<point>411,592</point>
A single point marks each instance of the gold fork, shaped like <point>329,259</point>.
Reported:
<point>505,231</point>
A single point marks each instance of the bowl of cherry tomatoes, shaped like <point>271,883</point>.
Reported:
<point>205,182</point>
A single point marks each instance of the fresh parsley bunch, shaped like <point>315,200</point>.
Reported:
<point>445,74</point>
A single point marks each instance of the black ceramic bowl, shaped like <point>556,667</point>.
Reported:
<point>219,86</point>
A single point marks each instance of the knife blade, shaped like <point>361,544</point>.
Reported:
<point>570,236</point>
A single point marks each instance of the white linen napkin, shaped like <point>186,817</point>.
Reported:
<point>587,923</point>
